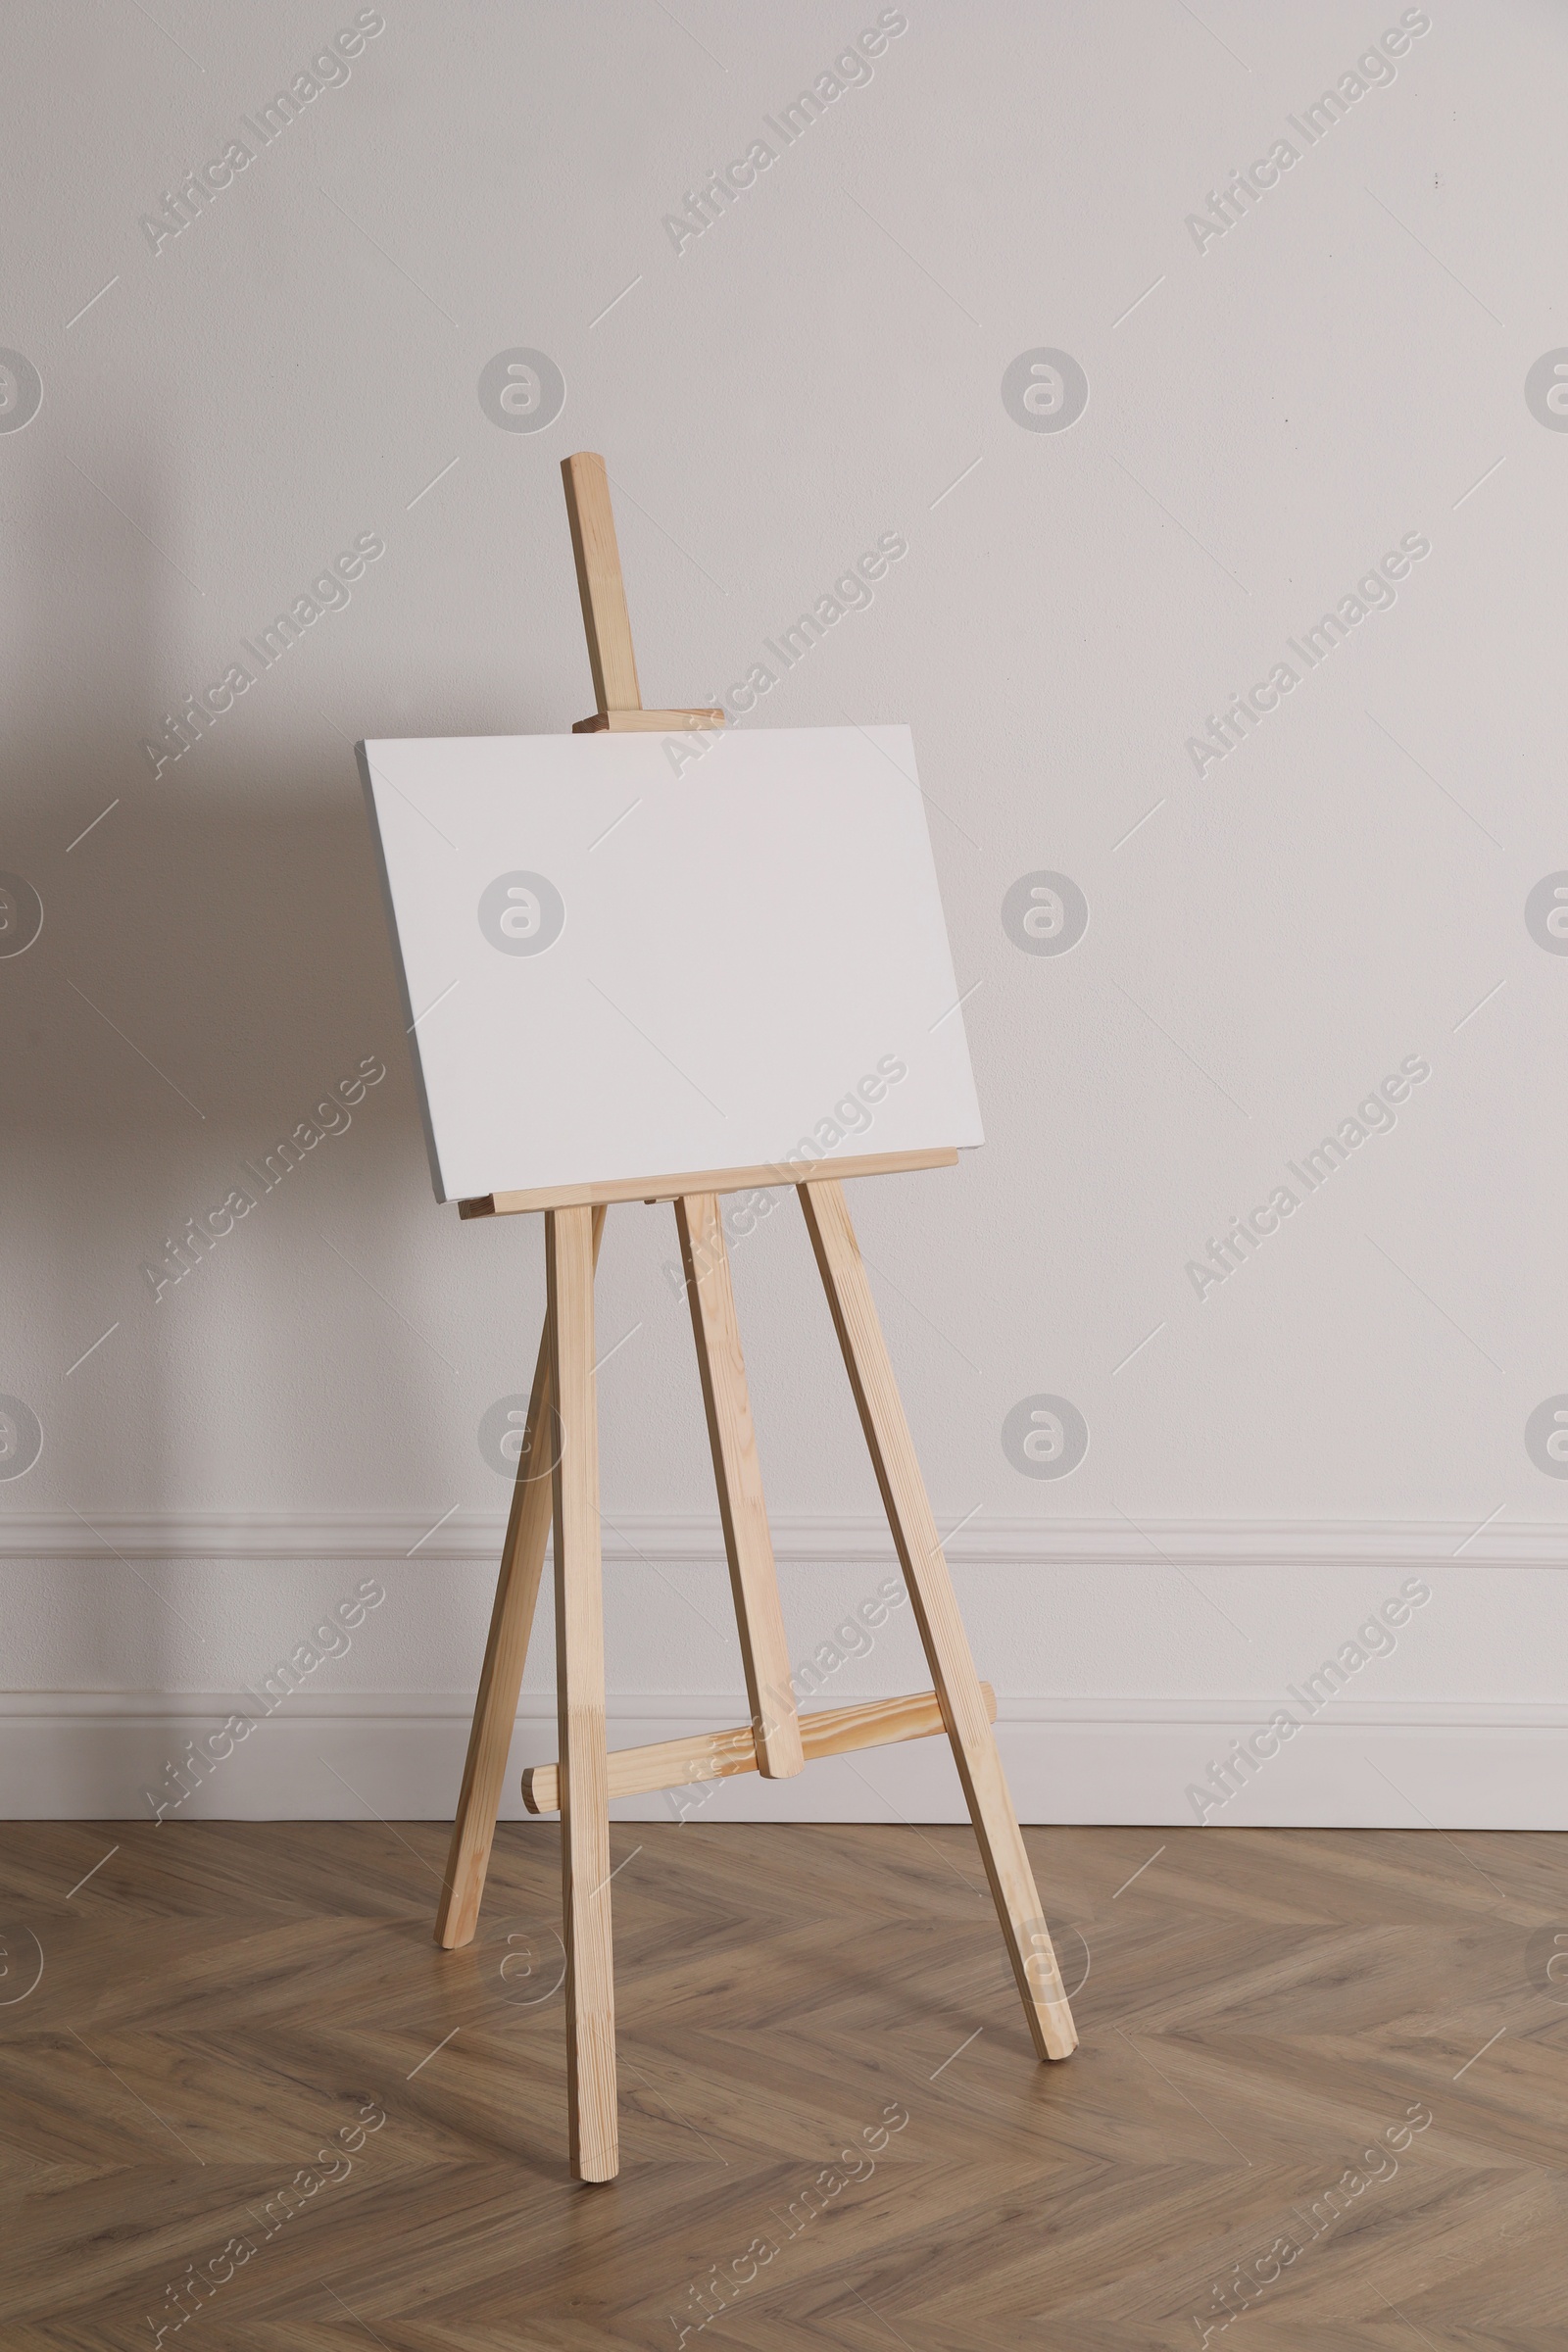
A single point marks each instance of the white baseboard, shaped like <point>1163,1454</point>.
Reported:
<point>985,1540</point>
<point>1362,1764</point>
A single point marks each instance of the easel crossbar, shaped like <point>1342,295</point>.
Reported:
<point>722,1755</point>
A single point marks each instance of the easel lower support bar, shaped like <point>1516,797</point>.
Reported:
<point>722,1755</point>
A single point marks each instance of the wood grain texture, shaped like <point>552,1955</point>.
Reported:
<point>505,1652</point>
<point>738,1476</point>
<point>935,1609</point>
<point>1260,2007</point>
<point>580,1703</point>
<point>648,722</point>
<point>707,1180</point>
<point>604,618</point>
<point>722,1755</point>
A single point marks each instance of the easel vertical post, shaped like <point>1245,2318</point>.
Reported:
<point>580,1688</point>
<point>505,1652</point>
<point>604,618</point>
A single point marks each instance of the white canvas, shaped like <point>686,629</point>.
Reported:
<point>614,969</point>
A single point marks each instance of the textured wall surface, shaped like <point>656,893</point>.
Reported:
<point>993,292</point>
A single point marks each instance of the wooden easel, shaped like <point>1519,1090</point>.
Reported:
<point>561,1410</point>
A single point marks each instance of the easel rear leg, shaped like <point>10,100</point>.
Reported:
<point>935,1609</point>
<point>754,1580</point>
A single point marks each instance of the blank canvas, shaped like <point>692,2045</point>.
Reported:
<point>619,960</point>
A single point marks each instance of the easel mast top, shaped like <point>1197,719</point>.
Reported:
<point>607,628</point>
<point>604,618</point>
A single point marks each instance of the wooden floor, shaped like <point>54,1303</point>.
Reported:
<point>246,2062</point>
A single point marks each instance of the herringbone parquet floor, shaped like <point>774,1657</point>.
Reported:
<point>246,2087</point>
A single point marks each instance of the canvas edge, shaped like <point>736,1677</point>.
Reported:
<point>361,753</point>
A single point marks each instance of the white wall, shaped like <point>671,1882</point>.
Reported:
<point>821,366</point>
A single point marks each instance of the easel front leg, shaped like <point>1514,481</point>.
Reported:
<point>935,1609</point>
<point>505,1651</point>
<point>748,1544</point>
<point>580,1703</point>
